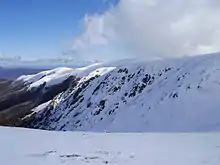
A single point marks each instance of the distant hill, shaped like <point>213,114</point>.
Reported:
<point>12,73</point>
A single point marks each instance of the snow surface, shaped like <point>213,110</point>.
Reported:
<point>50,77</point>
<point>34,147</point>
<point>37,109</point>
<point>179,95</point>
<point>58,75</point>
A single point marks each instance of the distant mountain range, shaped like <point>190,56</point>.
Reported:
<point>44,63</point>
<point>13,73</point>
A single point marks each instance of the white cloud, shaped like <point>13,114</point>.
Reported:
<point>97,31</point>
<point>155,28</point>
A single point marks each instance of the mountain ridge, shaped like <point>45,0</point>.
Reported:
<point>134,96</point>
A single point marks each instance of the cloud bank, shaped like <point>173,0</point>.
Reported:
<point>154,28</point>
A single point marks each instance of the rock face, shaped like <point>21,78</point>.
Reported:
<point>129,96</point>
<point>17,99</point>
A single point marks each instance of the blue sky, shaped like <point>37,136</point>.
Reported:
<point>43,28</point>
<point>109,29</point>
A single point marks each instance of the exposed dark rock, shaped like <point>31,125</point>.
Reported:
<point>175,95</point>
<point>102,104</point>
<point>125,70</point>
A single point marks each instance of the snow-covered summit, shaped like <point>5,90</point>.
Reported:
<point>50,77</point>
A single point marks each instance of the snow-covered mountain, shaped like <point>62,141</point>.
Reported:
<point>19,97</point>
<point>35,147</point>
<point>178,95</point>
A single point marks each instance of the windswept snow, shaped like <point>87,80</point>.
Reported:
<point>51,77</point>
<point>33,147</point>
<point>58,75</point>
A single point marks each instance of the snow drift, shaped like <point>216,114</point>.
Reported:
<point>25,147</point>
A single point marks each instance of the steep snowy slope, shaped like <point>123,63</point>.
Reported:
<point>131,96</point>
<point>34,147</point>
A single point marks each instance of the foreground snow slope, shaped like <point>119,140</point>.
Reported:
<point>179,95</point>
<point>33,147</point>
